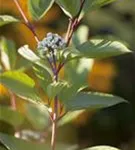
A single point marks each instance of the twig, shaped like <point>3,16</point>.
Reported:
<point>68,30</point>
<point>27,23</point>
<point>61,108</point>
<point>62,116</point>
<point>54,125</point>
<point>73,23</point>
<point>56,106</point>
<point>13,100</point>
<point>60,67</point>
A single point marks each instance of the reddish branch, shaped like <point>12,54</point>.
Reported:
<point>27,23</point>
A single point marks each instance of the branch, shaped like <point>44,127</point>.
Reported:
<point>27,23</point>
<point>73,23</point>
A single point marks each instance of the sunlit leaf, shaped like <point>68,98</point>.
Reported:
<point>92,100</point>
<point>38,8</point>
<point>8,53</point>
<point>102,48</point>
<point>28,54</point>
<point>81,35</point>
<point>6,19</point>
<point>12,117</point>
<point>77,71</point>
<point>20,83</point>
<point>69,117</point>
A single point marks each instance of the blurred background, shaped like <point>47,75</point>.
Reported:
<point>116,75</point>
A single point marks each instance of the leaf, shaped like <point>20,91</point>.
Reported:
<point>19,83</point>
<point>69,117</point>
<point>6,19</point>
<point>8,53</point>
<point>55,88</point>
<point>77,71</point>
<point>12,143</point>
<point>94,4</point>
<point>38,115</point>
<point>44,77</point>
<point>69,54</point>
<point>23,64</point>
<point>102,48</point>
<point>70,8</point>
<point>2,148</point>
<point>92,100</point>
<point>32,57</point>
<point>38,8</point>
<point>81,35</point>
<point>12,117</point>
<point>67,92</point>
<point>102,148</point>
<point>28,54</point>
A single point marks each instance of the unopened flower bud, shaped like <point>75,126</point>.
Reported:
<point>52,42</point>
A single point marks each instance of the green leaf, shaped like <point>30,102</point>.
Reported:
<point>2,148</point>
<point>92,100</point>
<point>28,54</point>
<point>70,7</point>
<point>102,148</point>
<point>12,143</point>
<point>6,19</point>
<point>55,88</point>
<point>12,117</point>
<point>68,92</point>
<point>98,48</point>
<point>77,71</point>
<point>44,77</point>
<point>81,35</point>
<point>8,53</point>
<point>19,83</point>
<point>94,4</point>
<point>38,8</point>
<point>23,64</point>
<point>32,57</point>
<point>69,54</point>
<point>38,115</point>
<point>69,117</point>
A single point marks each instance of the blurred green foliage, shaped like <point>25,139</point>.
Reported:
<point>114,125</point>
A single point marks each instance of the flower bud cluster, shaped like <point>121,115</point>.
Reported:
<point>51,43</point>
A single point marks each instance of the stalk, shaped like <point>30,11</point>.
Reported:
<point>27,23</point>
<point>56,107</point>
<point>73,23</point>
<point>13,100</point>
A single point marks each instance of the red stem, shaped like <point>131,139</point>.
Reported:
<point>56,107</point>
<point>27,23</point>
<point>13,100</point>
<point>54,125</point>
<point>73,23</point>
